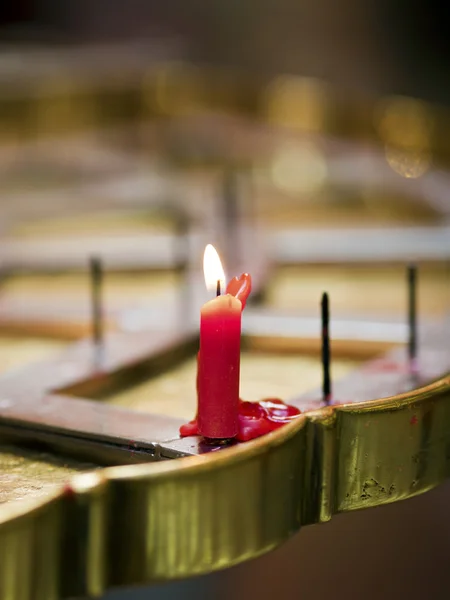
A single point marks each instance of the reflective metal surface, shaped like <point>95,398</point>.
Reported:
<point>203,513</point>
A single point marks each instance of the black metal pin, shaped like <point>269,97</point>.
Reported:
<point>412,314</point>
<point>96,272</point>
<point>218,290</point>
<point>326,354</point>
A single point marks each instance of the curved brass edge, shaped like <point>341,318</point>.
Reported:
<point>392,449</point>
<point>319,472</point>
<point>142,524</point>
<point>29,550</point>
<point>54,548</point>
<point>84,539</point>
<point>245,500</point>
<point>399,400</point>
<point>206,513</point>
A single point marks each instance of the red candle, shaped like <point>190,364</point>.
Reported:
<point>221,414</point>
<point>219,357</point>
<point>220,347</point>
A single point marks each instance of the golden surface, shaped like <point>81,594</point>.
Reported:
<point>262,376</point>
<point>377,290</point>
<point>203,513</point>
<point>18,351</point>
<point>26,474</point>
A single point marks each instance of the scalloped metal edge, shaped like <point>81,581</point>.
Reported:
<point>143,524</point>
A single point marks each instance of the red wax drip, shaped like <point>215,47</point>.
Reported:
<point>240,287</point>
<point>255,419</point>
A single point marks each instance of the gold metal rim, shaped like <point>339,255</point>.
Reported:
<point>203,513</point>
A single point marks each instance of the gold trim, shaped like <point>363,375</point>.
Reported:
<point>29,549</point>
<point>394,448</point>
<point>146,523</point>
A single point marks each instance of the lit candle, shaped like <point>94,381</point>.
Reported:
<point>219,356</point>
<point>220,412</point>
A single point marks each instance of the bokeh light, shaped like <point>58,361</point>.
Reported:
<point>299,167</point>
<point>405,122</point>
<point>405,125</point>
<point>409,163</point>
<point>296,102</point>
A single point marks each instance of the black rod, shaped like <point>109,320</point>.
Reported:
<point>326,354</point>
<point>412,313</point>
<point>96,272</point>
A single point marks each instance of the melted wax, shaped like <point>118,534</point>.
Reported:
<point>255,419</point>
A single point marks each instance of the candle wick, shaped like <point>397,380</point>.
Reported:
<point>218,288</point>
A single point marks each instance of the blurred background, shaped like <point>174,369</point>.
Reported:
<point>384,47</point>
<point>120,119</point>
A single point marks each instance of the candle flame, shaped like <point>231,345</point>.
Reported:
<point>212,269</point>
